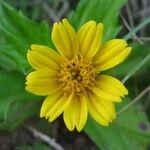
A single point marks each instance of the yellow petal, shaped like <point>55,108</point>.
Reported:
<point>57,109</point>
<point>102,111</point>
<point>42,57</point>
<point>42,82</point>
<point>109,89</point>
<point>100,107</point>
<point>50,101</point>
<point>110,109</point>
<point>95,45</point>
<point>42,74</point>
<point>111,54</point>
<point>82,114</point>
<point>72,36</point>
<point>106,84</point>
<point>95,112</point>
<point>69,115</point>
<point>90,37</point>
<point>46,51</point>
<point>112,46</point>
<point>105,95</point>
<point>65,39</point>
<point>75,115</point>
<point>84,29</point>
<point>112,85</point>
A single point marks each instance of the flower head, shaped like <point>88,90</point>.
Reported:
<point>72,78</point>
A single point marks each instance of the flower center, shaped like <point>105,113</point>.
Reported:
<point>77,75</point>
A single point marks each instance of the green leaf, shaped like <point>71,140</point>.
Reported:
<point>19,33</point>
<point>10,58</point>
<point>131,131</point>
<point>24,147</point>
<point>39,146</point>
<point>36,146</point>
<point>17,112</point>
<point>103,11</point>
<point>16,104</point>
<point>137,67</point>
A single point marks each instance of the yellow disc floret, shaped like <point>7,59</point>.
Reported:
<point>77,75</point>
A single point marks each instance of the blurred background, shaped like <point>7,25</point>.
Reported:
<point>25,137</point>
<point>134,12</point>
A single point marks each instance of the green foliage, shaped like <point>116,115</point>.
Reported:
<point>9,60</point>
<point>19,33</point>
<point>105,11</point>
<point>131,131</point>
<point>16,104</point>
<point>36,146</point>
<point>137,67</point>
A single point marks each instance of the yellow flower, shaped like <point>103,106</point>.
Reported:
<point>72,78</point>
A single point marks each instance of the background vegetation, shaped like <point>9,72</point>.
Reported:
<point>23,22</point>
